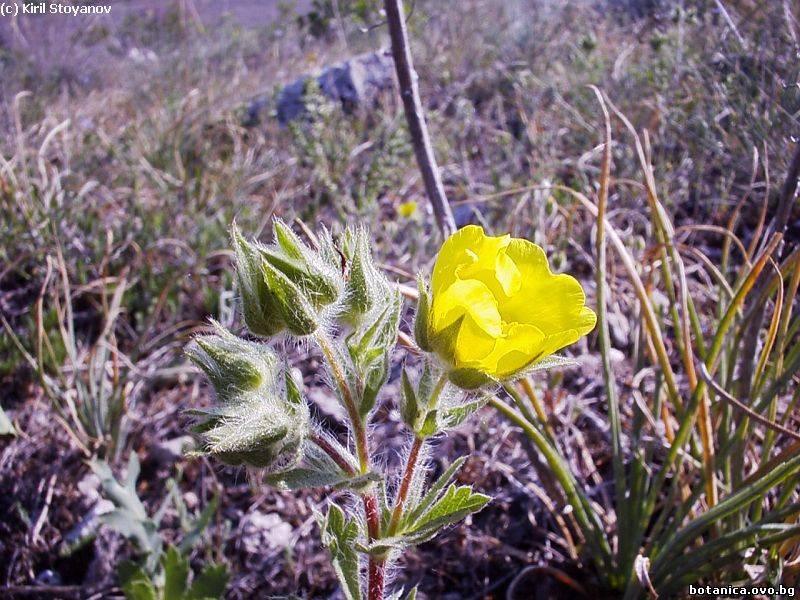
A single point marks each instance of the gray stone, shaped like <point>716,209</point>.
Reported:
<point>358,81</point>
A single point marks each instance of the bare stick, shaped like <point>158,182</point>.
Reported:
<point>409,91</point>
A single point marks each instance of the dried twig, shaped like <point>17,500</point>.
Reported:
<point>409,91</point>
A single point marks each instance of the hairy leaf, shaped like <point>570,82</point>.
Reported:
<point>339,534</point>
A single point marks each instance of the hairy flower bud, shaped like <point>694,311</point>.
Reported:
<point>258,303</point>
<point>233,365</point>
<point>297,313</point>
<point>284,286</point>
<point>255,422</point>
<point>366,287</point>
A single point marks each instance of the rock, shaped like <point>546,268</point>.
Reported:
<point>48,577</point>
<point>466,214</point>
<point>358,81</point>
<point>260,530</point>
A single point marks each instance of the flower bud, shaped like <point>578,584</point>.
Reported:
<point>366,286</point>
<point>361,277</point>
<point>233,365</point>
<point>283,286</point>
<point>258,303</point>
<point>254,422</point>
<point>296,311</point>
<point>303,266</point>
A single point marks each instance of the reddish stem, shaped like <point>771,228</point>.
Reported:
<point>377,578</point>
<point>331,451</point>
<point>376,565</point>
<point>405,484</point>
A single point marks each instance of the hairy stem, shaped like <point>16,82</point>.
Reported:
<point>377,566</point>
<point>411,463</point>
<point>331,451</point>
<point>405,484</point>
<point>377,578</point>
<point>359,432</point>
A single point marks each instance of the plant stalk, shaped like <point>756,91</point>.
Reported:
<point>415,116</point>
<point>405,484</point>
<point>377,566</point>
<point>359,433</point>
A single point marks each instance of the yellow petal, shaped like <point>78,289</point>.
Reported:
<point>470,297</point>
<point>473,344</point>
<point>520,346</point>
<point>455,253</point>
<point>553,303</point>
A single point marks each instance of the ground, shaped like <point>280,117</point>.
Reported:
<point>130,155</point>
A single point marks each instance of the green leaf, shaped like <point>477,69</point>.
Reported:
<point>455,504</point>
<point>199,525</point>
<point>409,407</point>
<point>308,477</point>
<point>142,532</point>
<point>430,425</point>
<point>211,583</point>
<point>370,348</point>
<point>382,546</point>
<point>453,416</point>
<point>374,378</point>
<point>435,490</point>
<point>339,534</point>
<point>176,572</point>
<point>135,583</point>
<point>553,361</point>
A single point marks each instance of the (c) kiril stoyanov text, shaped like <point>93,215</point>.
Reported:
<point>56,8</point>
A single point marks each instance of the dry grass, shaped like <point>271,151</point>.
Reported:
<point>135,169</point>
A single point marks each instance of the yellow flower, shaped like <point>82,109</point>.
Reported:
<point>497,309</point>
<point>407,209</point>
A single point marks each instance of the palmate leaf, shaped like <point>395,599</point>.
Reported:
<point>319,470</point>
<point>433,493</point>
<point>129,516</point>
<point>554,361</point>
<point>455,504</point>
<point>451,417</point>
<point>444,504</point>
<point>211,583</point>
<point>176,572</point>
<point>136,584</point>
<point>339,534</point>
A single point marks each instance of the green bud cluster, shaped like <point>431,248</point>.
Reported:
<point>283,286</point>
<point>256,421</point>
<point>366,288</point>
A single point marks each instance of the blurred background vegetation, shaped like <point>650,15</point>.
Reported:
<point>129,146</point>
